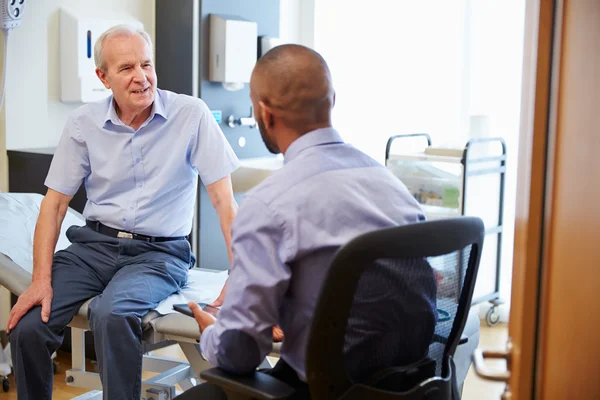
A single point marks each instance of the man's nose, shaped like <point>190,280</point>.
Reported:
<point>139,75</point>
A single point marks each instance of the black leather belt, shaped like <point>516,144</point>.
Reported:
<point>108,231</point>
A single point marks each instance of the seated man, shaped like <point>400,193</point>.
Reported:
<point>140,152</point>
<point>289,226</point>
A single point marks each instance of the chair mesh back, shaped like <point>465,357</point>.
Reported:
<point>450,273</point>
<point>392,318</point>
<point>402,311</point>
<point>393,298</point>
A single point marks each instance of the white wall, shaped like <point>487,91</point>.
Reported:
<point>34,113</point>
<point>397,68</point>
<point>297,21</point>
<point>289,21</point>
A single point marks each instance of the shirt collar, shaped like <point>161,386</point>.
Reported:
<point>158,107</point>
<point>311,139</point>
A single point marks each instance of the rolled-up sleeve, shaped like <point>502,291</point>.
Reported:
<point>70,163</point>
<point>210,152</point>
<point>242,334</point>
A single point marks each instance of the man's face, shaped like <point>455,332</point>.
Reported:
<point>129,72</point>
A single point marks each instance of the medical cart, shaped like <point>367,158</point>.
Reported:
<point>454,182</point>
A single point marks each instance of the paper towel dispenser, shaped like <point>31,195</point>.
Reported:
<point>78,34</point>
<point>233,50</point>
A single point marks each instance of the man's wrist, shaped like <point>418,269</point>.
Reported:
<point>42,279</point>
<point>206,322</point>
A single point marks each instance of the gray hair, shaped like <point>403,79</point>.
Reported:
<point>117,30</point>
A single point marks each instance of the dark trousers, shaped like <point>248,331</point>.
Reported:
<point>128,278</point>
<point>281,371</point>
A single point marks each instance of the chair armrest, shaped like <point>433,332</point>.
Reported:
<point>256,385</point>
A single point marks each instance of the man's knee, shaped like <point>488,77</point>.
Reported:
<point>30,328</point>
<point>104,316</point>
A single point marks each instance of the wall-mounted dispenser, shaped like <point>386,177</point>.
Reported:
<point>233,49</point>
<point>266,43</point>
<point>78,34</point>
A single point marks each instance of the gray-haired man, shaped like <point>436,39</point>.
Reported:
<point>140,153</point>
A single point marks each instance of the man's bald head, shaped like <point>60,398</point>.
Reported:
<point>294,82</point>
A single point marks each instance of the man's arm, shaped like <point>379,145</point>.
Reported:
<point>211,154</point>
<point>242,335</point>
<point>221,197</point>
<point>52,213</point>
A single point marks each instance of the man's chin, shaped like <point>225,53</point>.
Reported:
<point>145,102</point>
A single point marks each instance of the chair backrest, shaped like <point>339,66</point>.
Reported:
<point>392,298</point>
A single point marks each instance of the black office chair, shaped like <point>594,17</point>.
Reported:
<point>389,317</point>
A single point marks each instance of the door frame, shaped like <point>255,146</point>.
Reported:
<point>541,61</point>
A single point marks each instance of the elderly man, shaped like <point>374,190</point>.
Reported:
<point>289,227</point>
<point>139,152</point>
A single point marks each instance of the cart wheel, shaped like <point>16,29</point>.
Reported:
<point>5,385</point>
<point>493,316</point>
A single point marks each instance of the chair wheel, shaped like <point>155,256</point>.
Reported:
<point>5,385</point>
<point>493,316</point>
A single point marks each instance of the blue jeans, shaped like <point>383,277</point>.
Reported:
<point>129,278</point>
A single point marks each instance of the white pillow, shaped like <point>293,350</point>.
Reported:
<point>18,216</point>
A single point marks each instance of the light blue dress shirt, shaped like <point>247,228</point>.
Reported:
<point>284,237</point>
<point>142,181</point>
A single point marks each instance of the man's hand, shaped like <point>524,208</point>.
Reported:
<point>38,293</point>
<point>277,334</point>
<point>203,318</point>
<point>219,301</point>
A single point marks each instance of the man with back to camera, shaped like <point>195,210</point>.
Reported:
<point>139,152</point>
<point>290,225</point>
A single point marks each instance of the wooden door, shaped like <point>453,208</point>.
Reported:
<point>568,359</point>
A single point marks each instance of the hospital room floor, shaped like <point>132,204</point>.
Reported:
<point>475,388</point>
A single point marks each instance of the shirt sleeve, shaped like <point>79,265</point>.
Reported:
<point>242,334</point>
<point>70,164</point>
<point>210,151</point>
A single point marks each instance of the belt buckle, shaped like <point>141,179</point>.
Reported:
<point>125,235</point>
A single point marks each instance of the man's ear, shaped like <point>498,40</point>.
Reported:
<point>102,76</point>
<point>266,114</point>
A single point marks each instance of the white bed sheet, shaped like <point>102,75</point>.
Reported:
<point>203,286</point>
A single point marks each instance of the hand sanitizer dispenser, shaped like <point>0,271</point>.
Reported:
<point>78,35</point>
<point>233,50</point>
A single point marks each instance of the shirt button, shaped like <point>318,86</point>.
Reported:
<point>139,185</point>
<point>137,160</point>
